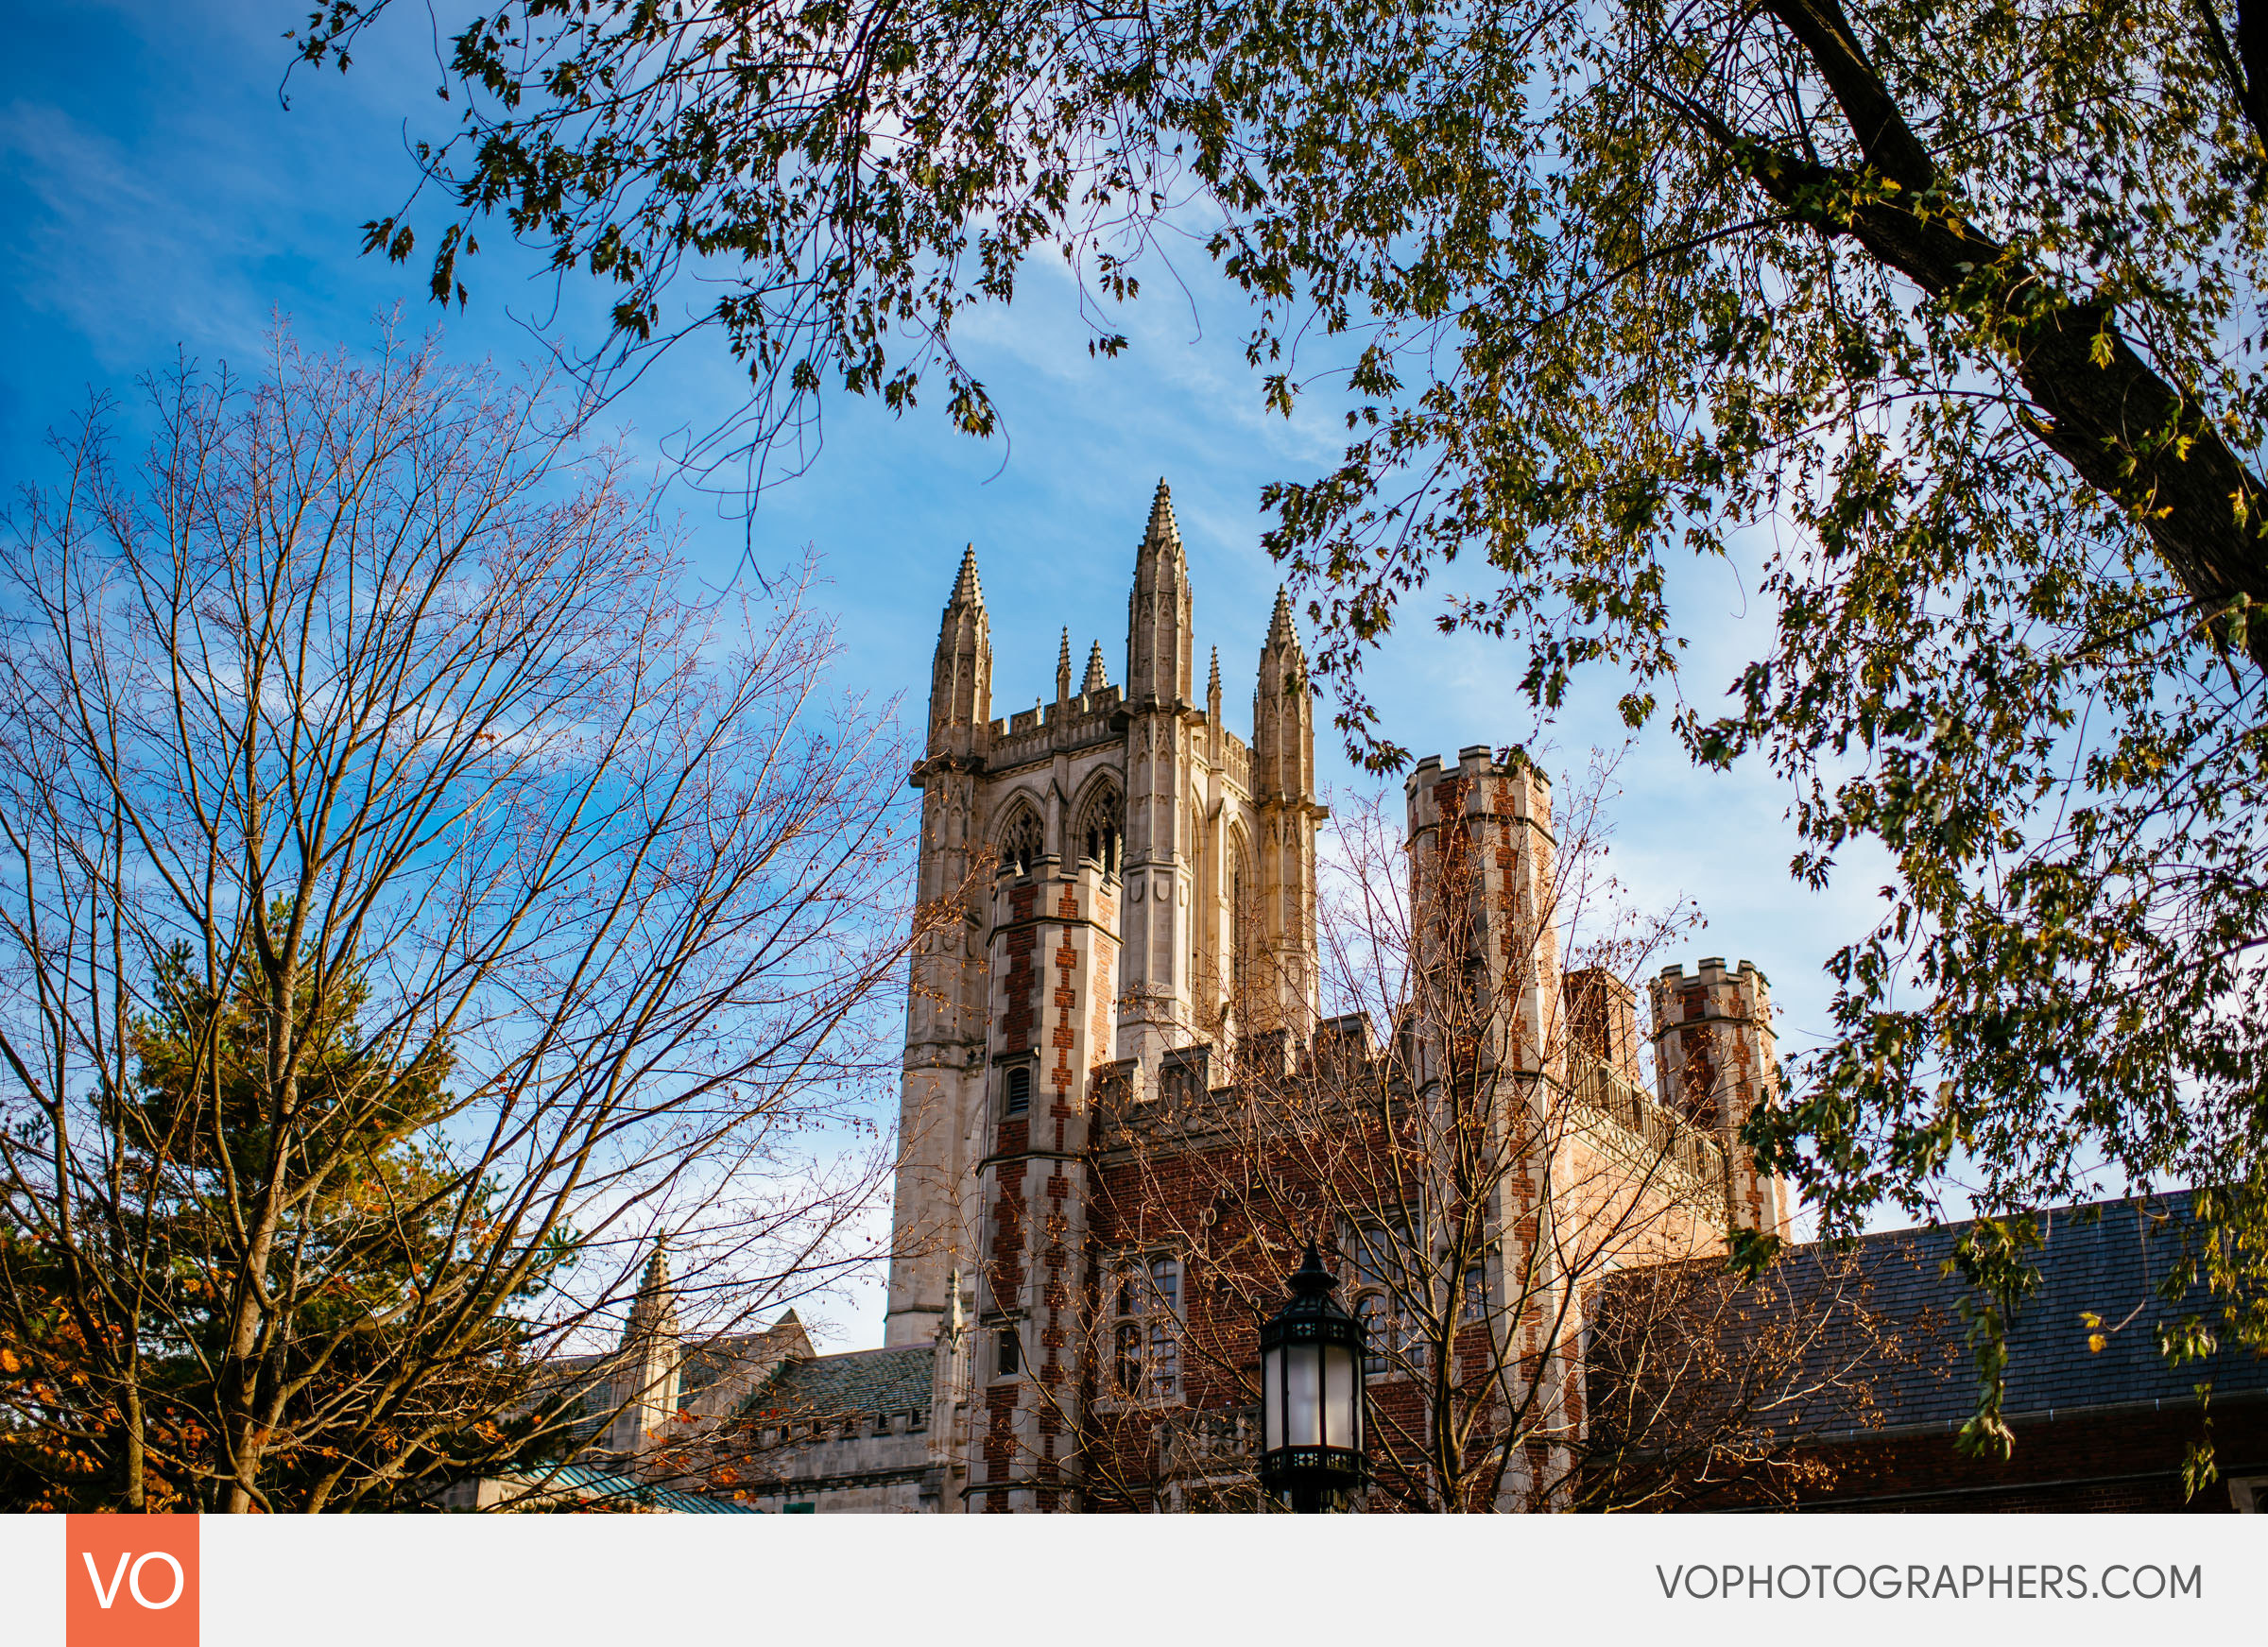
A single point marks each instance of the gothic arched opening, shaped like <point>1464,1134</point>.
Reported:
<point>1101,827</point>
<point>1023,839</point>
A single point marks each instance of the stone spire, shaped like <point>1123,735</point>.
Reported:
<point>1096,677</point>
<point>946,1015</point>
<point>966,590</point>
<point>1161,515</point>
<point>1281,632</point>
<point>655,1310</point>
<point>644,1386</point>
<point>1063,668</point>
<point>1159,615</point>
<point>1212,690</point>
<point>960,682</point>
<point>1155,956</point>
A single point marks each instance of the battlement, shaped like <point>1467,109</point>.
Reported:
<point>1037,732</point>
<point>1480,784</point>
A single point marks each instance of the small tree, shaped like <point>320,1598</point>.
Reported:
<point>1706,1389</point>
<point>415,900</point>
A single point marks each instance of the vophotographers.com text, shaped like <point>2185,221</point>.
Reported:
<point>1919,1581</point>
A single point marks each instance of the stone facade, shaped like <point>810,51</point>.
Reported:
<point>1115,1064</point>
<point>1137,888</point>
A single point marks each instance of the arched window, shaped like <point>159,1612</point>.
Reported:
<point>1386,1266</point>
<point>1101,827</point>
<point>1023,839</point>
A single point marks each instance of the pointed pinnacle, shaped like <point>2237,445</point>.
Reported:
<point>1097,677</point>
<point>1162,525</point>
<point>1063,668</point>
<point>1212,686</point>
<point>966,590</point>
<point>1281,632</point>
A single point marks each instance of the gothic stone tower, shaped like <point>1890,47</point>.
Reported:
<point>1121,867</point>
<point>1130,896</point>
<point>1128,829</point>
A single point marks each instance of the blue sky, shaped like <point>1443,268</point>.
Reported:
<point>159,197</point>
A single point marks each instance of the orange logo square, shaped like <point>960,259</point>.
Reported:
<point>129,1581</point>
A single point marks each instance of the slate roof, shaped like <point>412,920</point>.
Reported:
<point>2104,1257</point>
<point>862,1381</point>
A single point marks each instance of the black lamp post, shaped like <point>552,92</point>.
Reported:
<point>1310,1374</point>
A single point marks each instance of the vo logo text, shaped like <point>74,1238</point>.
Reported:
<point>129,1581</point>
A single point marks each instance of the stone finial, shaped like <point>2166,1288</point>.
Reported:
<point>1162,525</point>
<point>1097,677</point>
<point>1063,668</point>
<point>966,590</point>
<point>1212,686</point>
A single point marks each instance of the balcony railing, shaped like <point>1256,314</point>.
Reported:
<point>1598,1089</point>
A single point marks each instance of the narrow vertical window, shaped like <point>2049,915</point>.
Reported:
<point>1011,1353</point>
<point>1020,1091</point>
<point>1166,1326</point>
<point>1370,1309</point>
<point>1126,1367</point>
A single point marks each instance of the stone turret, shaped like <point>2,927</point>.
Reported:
<point>1161,621</point>
<point>1715,1059</point>
<point>960,678</point>
<point>1283,793</point>
<point>1482,865</point>
<point>945,1010</point>
<point>1160,614</point>
<point>1284,716</point>
<point>645,1377</point>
